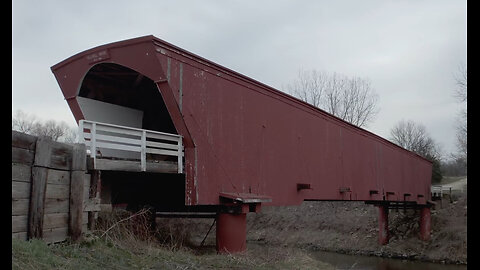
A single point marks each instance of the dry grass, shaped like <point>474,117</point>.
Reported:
<point>125,240</point>
<point>128,241</point>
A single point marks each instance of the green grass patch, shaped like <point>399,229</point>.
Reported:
<point>101,254</point>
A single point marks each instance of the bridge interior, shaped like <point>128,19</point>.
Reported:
<point>122,86</point>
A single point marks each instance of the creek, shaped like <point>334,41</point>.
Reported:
<point>358,262</point>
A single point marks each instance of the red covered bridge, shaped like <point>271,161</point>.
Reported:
<point>171,129</point>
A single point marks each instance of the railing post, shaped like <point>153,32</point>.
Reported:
<point>180,157</point>
<point>80,138</point>
<point>93,147</point>
<point>143,152</point>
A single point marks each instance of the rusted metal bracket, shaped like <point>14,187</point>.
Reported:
<point>245,197</point>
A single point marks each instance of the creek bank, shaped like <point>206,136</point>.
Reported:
<point>352,228</point>
<point>347,227</point>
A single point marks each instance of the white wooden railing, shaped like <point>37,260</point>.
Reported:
<point>114,141</point>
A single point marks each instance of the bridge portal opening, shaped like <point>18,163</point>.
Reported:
<point>114,94</point>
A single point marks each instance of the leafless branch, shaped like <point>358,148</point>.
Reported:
<point>351,99</point>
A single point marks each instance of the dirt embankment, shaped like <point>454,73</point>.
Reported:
<point>352,228</point>
<point>347,227</point>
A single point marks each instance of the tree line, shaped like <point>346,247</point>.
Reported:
<point>55,130</point>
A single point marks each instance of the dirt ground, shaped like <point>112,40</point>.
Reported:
<point>352,228</point>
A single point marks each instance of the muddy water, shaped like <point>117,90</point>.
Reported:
<point>343,261</point>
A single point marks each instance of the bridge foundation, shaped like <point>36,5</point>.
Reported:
<point>425,223</point>
<point>231,232</point>
<point>382,224</point>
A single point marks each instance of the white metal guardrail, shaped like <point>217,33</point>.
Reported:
<point>118,140</point>
<point>438,190</point>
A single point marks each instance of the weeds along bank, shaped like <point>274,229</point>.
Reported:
<point>347,227</point>
<point>352,228</point>
<point>125,241</point>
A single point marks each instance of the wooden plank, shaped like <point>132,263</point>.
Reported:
<point>58,177</point>
<point>61,156</point>
<point>92,205</point>
<point>22,156</point>
<point>57,191</point>
<point>180,156</point>
<point>57,205</point>
<point>135,166</point>
<point>94,194</point>
<point>162,145</point>
<point>52,154</point>
<point>22,140</point>
<point>84,221</point>
<point>116,139</point>
<point>19,223</point>
<point>76,204</point>
<point>20,207</point>
<point>21,173</point>
<point>162,167</point>
<point>61,161</point>
<point>162,136</point>
<point>115,146</point>
<point>37,202</point>
<point>117,165</point>
<point>162,152</point>
<point>86,187</point>
<point>79,157</point>
<point>56,220</point>
<point>118,129</point>
<point>20,190</point>
<point>43,152</point>
<point>55,235</point>
<point>20,235</point>
<point>143,158</point>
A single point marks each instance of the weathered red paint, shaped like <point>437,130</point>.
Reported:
<point>231,232</point>
<point>382,225</point>
<point>425,223</point>
<point>242,136</point>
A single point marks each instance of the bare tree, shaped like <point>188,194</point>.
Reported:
<point>461,82</point>
<point>351,99</point>
<point>52,129</point>
<point>70,136</point>
<point>414,137</point>
<point>23,122</point>
<point>57,131</point>
<point>309,86</point>
<point>461,94</point>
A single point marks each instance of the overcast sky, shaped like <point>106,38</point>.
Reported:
<point>409,50</point>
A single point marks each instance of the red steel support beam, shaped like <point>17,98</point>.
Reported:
<point>231,232</point>
<point>425,223</point>
<point>382,224</point>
